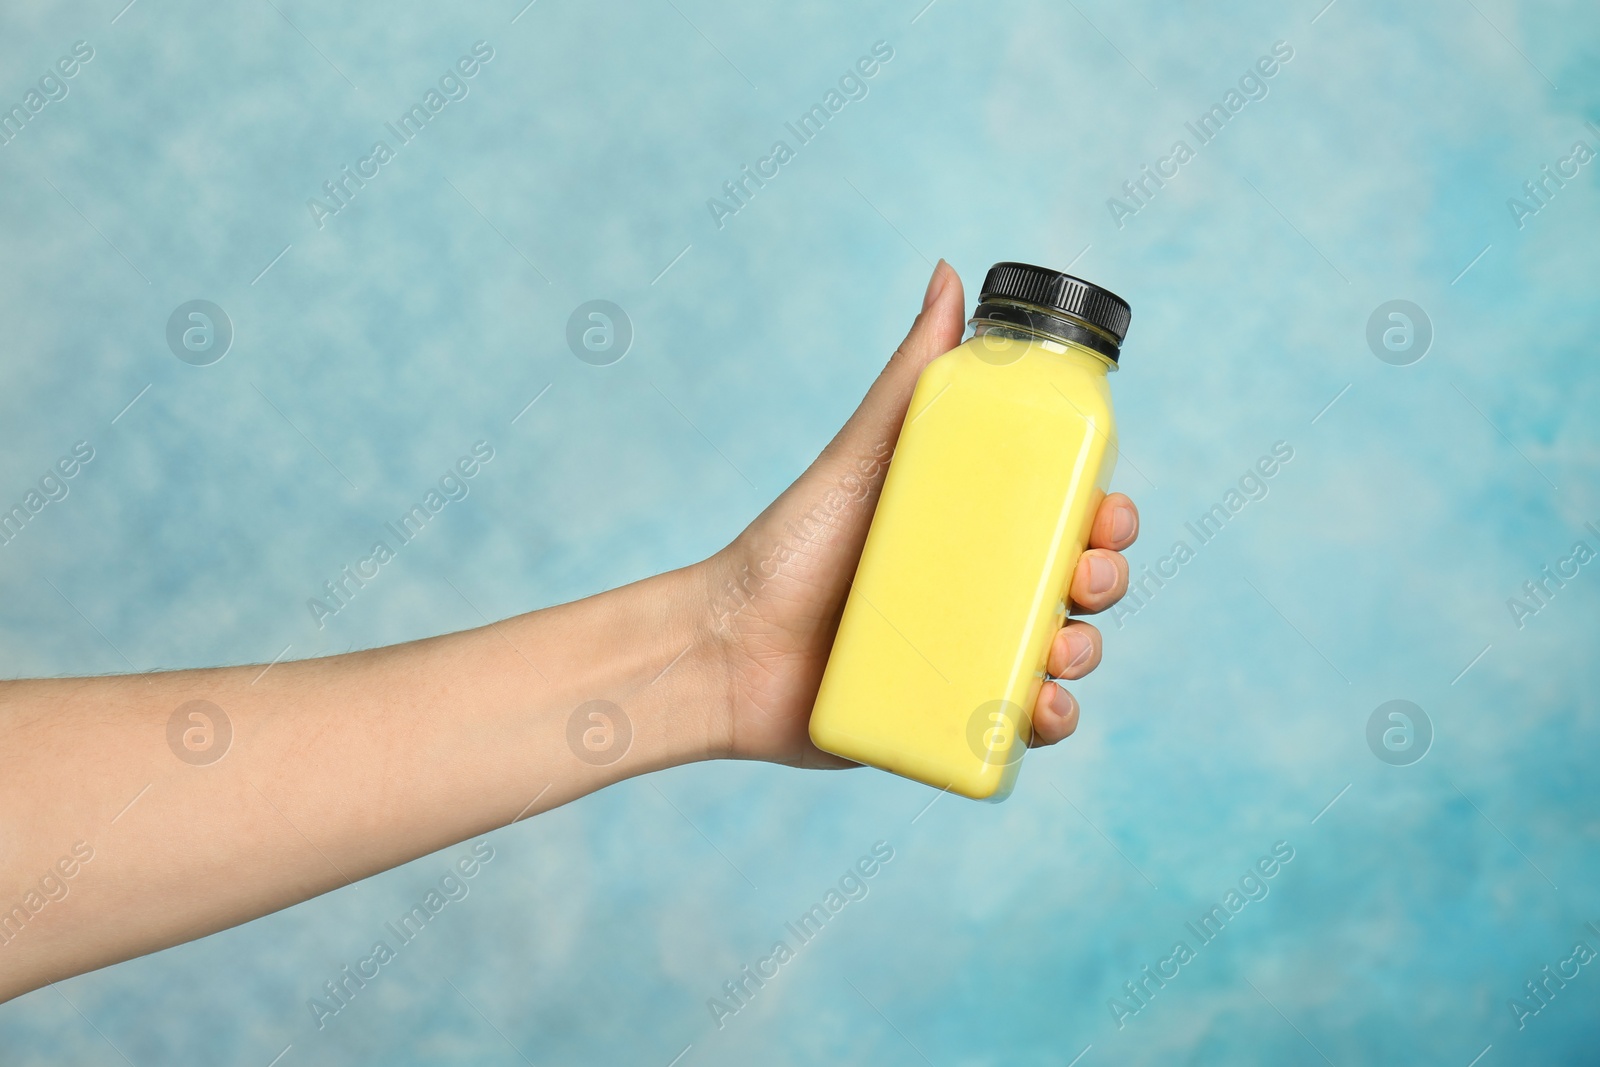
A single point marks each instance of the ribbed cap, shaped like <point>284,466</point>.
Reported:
<point>1060,292</point>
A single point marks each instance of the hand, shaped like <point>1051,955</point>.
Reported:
<point>382,756</point>
<point>779,589</point>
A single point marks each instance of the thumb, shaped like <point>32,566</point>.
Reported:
<point>833,500</point>
<point>874,427</point>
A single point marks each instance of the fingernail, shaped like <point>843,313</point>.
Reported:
<point>1062,702</point>
<point>1122,520</point>
<point>1080,647</point>
<point>1102,574</point>
<point>936,286</point>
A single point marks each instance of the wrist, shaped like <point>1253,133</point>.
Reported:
<point>651,690</point>
<point>685,688</point>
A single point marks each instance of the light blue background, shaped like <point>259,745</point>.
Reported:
<point>1225,718</point>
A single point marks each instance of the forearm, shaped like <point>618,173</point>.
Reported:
<point>337,768</point>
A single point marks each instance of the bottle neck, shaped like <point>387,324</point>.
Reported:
<point>1050,342</point>
<point>1046,326</point>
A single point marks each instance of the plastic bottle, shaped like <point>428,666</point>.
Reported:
<point>1003,459</point>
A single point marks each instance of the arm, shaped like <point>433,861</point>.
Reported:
<point>342,767</point>
<point>337,768</point>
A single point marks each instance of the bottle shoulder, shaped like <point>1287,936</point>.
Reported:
<point>1028,374</point>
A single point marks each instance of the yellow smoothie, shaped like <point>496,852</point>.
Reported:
<point>1004,457</point>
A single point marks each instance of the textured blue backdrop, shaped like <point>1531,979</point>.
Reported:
<point>374,344</point>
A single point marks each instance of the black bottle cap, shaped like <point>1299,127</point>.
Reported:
<point>1068,307</point>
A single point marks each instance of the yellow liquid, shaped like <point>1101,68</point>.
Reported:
<point>1002,462</point>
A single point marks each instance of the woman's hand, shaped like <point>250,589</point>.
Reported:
<point>778,591</point>
<point>334,769</point>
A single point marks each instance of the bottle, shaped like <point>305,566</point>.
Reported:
<point>1003,459</point>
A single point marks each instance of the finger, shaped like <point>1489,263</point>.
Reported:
<point>857,459</point>
<point>1116,524</point>
<point>1055,715</point>
<point>1075,651</point>
<point>875,426</point>
<point>1099,581</point>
